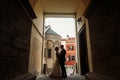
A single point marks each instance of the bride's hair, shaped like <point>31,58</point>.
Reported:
<point>56,48</point>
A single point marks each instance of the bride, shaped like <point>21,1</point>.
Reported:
<point>56,67</point>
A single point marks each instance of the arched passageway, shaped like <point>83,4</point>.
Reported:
<point>22,36</point>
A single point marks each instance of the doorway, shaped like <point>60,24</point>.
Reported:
<point>63,25</point>
<point>83,51</point>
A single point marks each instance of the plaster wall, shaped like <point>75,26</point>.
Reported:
<point>36,44</point>
<point>38,22</point>
<point>35,59</point>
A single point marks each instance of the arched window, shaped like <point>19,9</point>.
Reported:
<point>49,53</point>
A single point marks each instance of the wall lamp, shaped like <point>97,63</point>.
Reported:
<point>79,20</point>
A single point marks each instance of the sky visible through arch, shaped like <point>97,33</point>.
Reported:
<point>62,26</point>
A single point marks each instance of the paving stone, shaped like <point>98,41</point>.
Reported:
<point>72,77</point>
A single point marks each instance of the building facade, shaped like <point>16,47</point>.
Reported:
<point>70,51</point>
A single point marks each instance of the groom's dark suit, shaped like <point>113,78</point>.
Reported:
<point>62,62</point>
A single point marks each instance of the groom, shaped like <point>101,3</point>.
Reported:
<point>62,61</point>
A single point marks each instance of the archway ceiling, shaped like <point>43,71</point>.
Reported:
<point>59,6</point>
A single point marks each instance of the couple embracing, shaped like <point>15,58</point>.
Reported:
<point>59,65</point>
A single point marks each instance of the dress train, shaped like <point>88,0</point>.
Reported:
<point>56,71</point>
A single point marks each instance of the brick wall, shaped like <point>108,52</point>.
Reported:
<point>15,29</point>
<point>104,24</point>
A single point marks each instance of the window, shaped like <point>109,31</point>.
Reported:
<point>70,47</point>
<point>71,58</point>
<point>49,53</point>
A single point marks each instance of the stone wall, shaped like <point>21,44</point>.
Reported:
<point>15,30</point>
<point>104,24</point>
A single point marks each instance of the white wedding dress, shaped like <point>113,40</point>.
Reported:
<point>56,71</point>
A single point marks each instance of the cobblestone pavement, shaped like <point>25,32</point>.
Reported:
<point>72,77</point>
